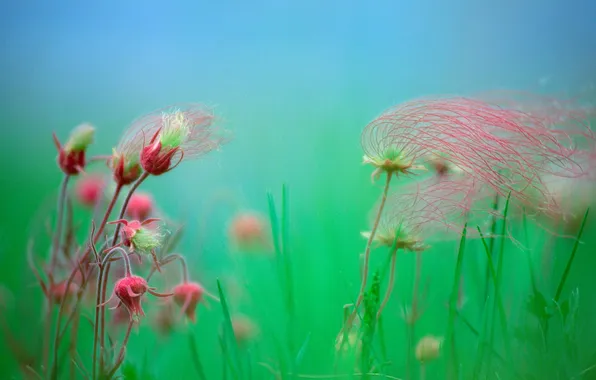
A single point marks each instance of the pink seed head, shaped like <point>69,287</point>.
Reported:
<point>140,206</point>
<point>89,190</point>
<point>129,290</point>
<point>187,296</point>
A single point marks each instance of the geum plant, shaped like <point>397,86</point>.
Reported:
<point>473,149</point>
<point>152,146</point>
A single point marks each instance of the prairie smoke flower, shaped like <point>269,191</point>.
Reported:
<point>129,291</point>
<point>188,295</point>
<point>139,238</point>
<point>176,132</point>
<point>140,206</point>
<point>89,189</point>
<point>71,156</point>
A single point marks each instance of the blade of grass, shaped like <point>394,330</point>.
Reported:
<point>571,258</point>
<point>499,303</point>
<point>450,336</point>
<point>301,352</point>
<point>493,230</point>
<point>196,359</point>
<point>289,281</point>
<point>499,275</point>
<point>229,338</point>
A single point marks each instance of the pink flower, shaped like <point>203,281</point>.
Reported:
<point>140,206</point>
<point>187,296</point>
<point>71,156</point>
<point>129,291</point>
<point>89,190</point>
<point>58,292</point>
<point>247,230</point>
<point>177,132</point>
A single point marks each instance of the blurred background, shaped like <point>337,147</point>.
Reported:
<point>295,81</point>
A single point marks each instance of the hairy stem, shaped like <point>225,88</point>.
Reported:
<point>103,285</point>
<point>368,247</point>
<point>102,279</point>
<point>389,284</point>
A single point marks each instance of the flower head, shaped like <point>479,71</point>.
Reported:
<point>175,133</point>
<point>71,156</point>
<point>129,291</point>
<point>89,189</point>
<point>187,295</point>
<point>140,238</point>
<point>140,206</point>
<point>244,328</point>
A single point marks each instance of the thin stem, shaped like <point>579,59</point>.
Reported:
<point>103,286</point>
<point>368,247</point>
<point>102,280</point>
<point>74,272</point>
<point>389,284</point>
<point>122,350</point>
<point>168,259</point>
<point>125,204</point>
<point>53,260</point>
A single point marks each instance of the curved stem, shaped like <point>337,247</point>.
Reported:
<point>121,353</point>
<point>389,284</point>
<point>168,259</point>
<point>100,299</point>
<point>125,204</point>
<point>368,247</point>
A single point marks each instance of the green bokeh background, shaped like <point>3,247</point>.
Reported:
<point>295,89</point>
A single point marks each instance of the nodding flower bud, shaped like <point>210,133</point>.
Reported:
<point>89,190</point>
<point>139,238</point>
<point>71,156</point>
<point>140,206</point>
<point>244,328</point>
<point>58,292</point>
<point>187,295</point>
<point>129,291</point>
<point>125,167</point>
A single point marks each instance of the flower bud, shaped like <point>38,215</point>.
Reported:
<point>140,206</point>
<point>428,348</point>
<point>89,189</point>
<point>129,290</point>
<point>187,296</point>
<point>71,156</point>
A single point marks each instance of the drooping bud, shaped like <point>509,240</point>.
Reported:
<point>89,190</point>
<point>187,296</point>
<point>129,291</point>
<point>71,156</point>
<point>140,206</point>
<point>244,328</point>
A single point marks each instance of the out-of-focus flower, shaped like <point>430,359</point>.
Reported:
<point>428,348</point>
<point>59,291</point>
<point>245,329</point>
<point>247,231</point>
<point>71,156</point>
<point>89,189</point>
<point>188,295</point>
<point>140,206</point>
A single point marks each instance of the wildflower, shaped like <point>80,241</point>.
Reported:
<point>176,133</point>
<point>71,156</point>
<point>188,295</point>
<point>89,190</point>
<point>139,238</point>
<point>126,168</point>
<point>428,348</point>
<point>140,206</point>
<point>247,230</point>
<point>129,291</point>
